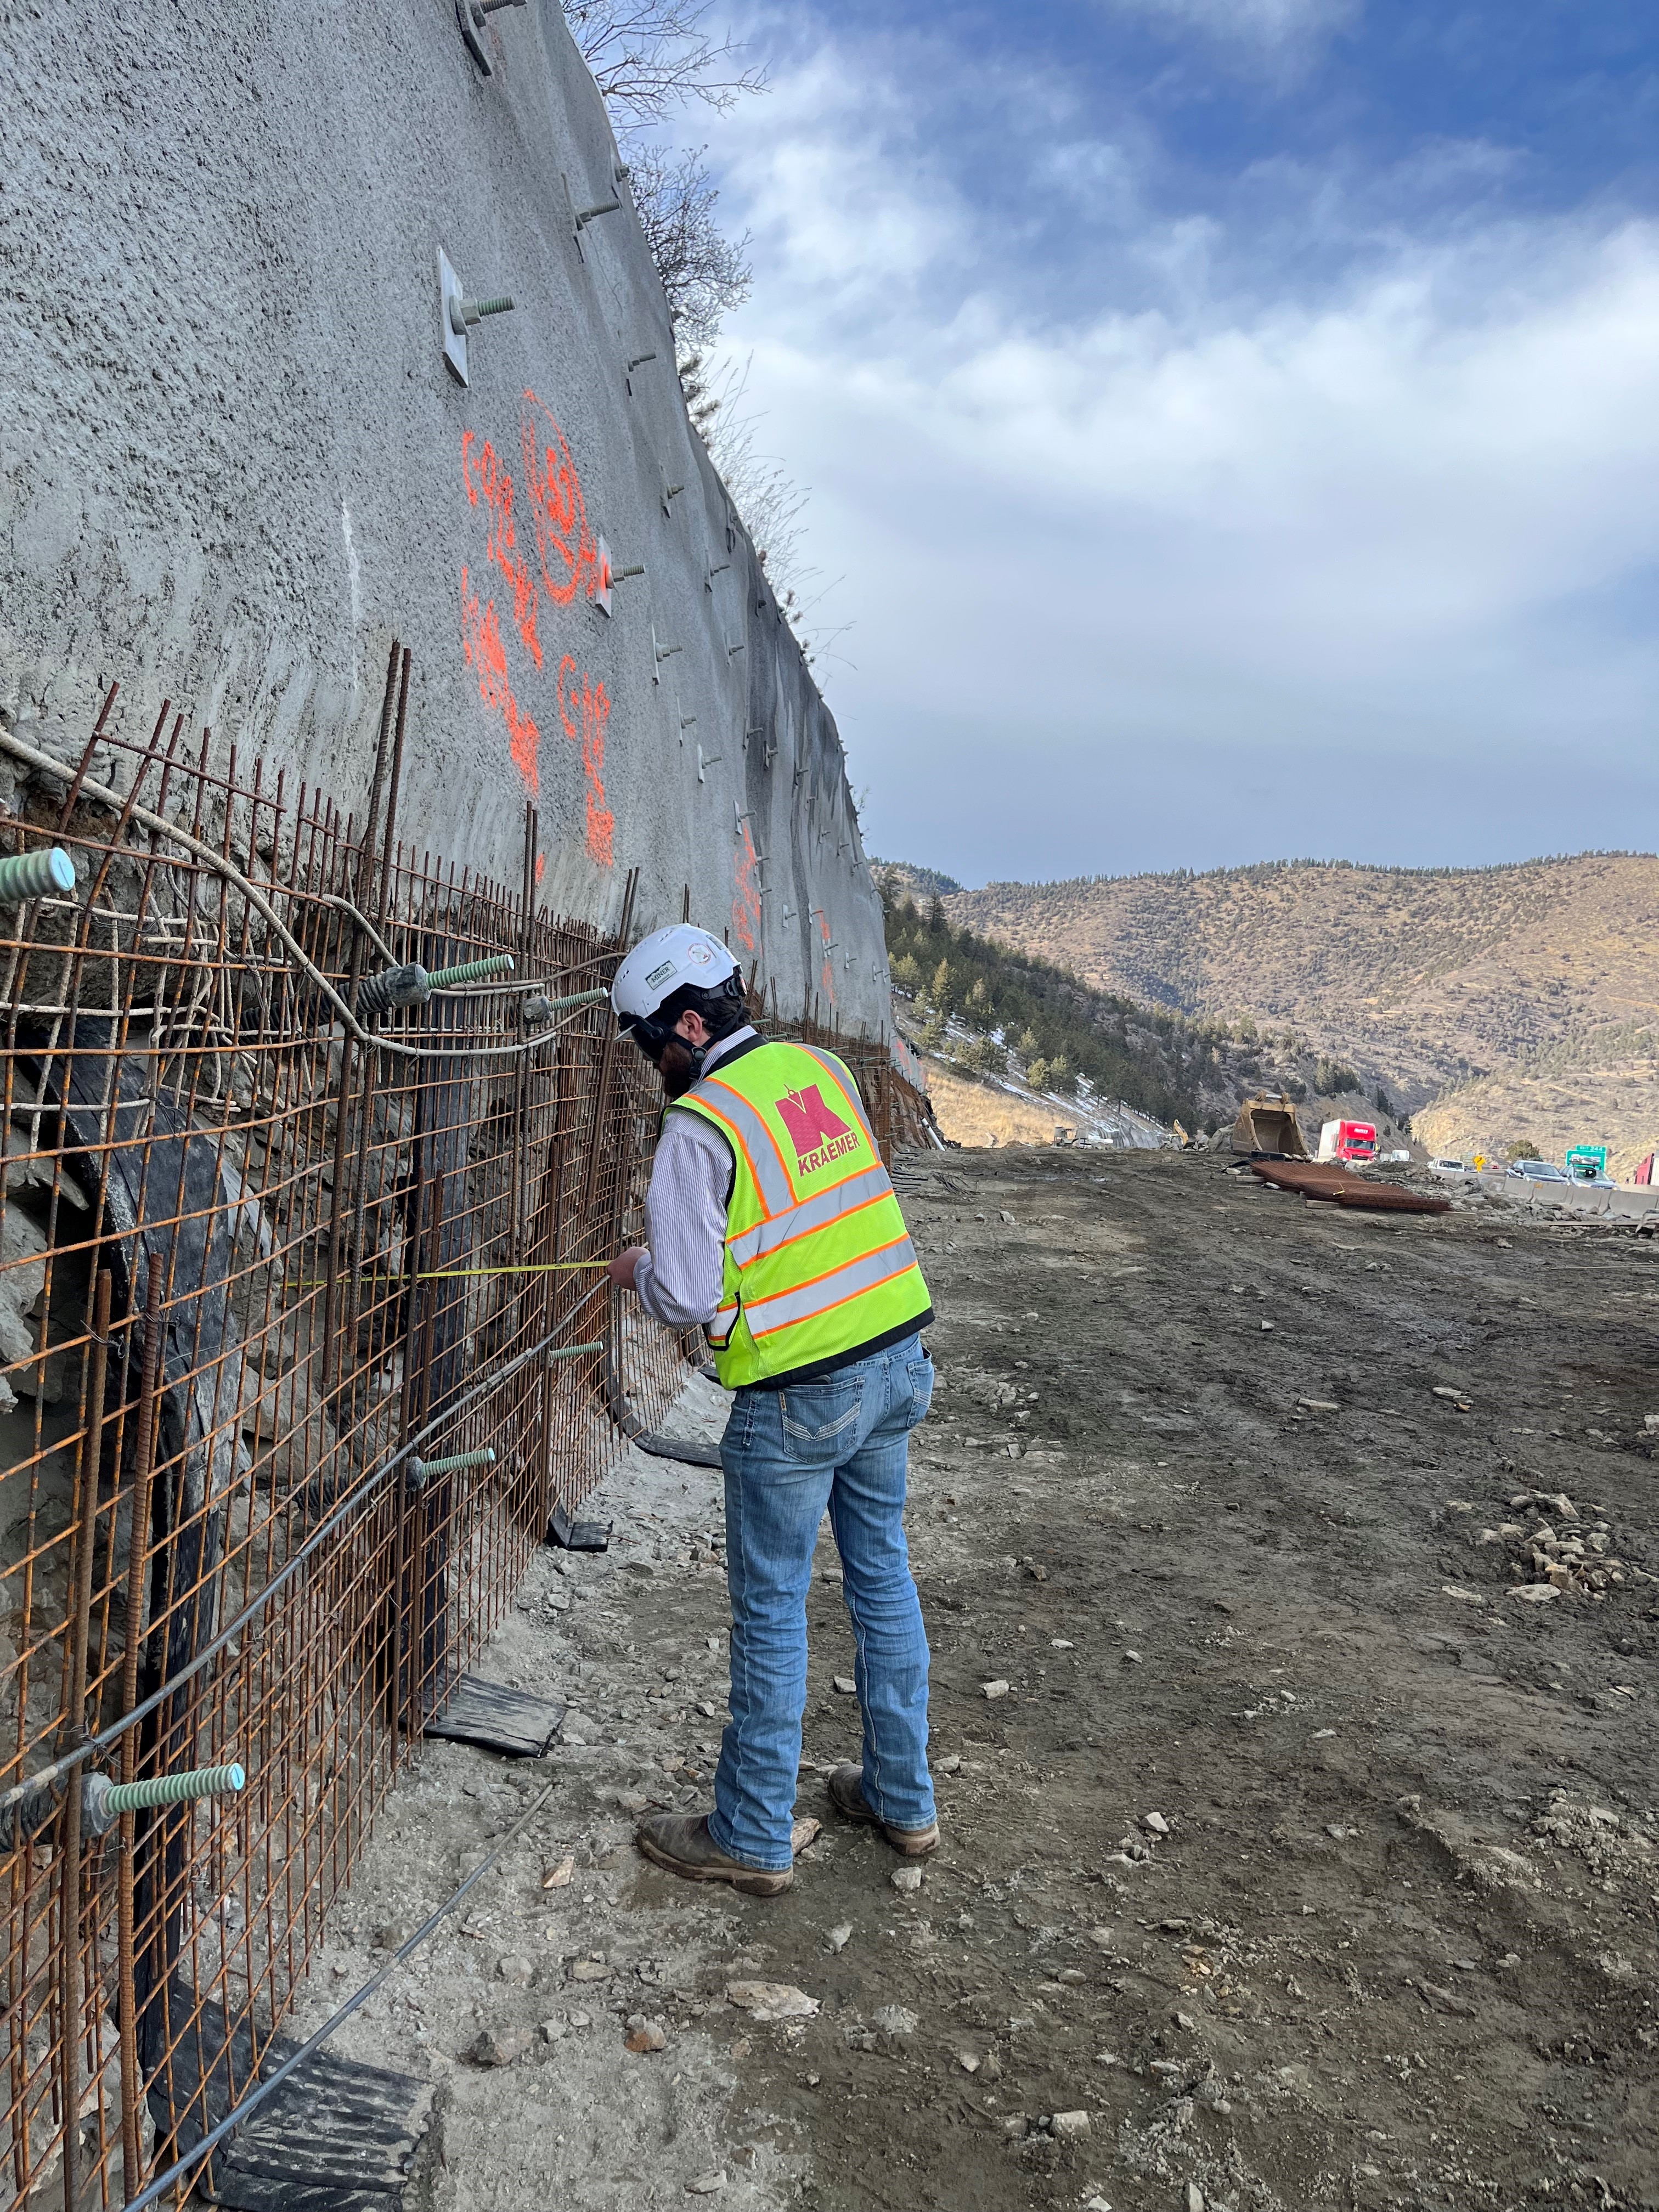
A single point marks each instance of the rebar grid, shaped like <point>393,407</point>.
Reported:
<point>253,1260</point>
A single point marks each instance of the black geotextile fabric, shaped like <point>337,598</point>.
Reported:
<point>164,1208</point>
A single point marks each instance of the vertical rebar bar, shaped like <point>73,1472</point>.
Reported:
<point>388,848</point>
<point>143,1452</point>
<point>74,1701</point>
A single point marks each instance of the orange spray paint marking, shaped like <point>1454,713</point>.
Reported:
<point>584,712</point>
<point>487,480</point>
<point>481,637</point>
<point>746,906</point>
<point>570,556</point>
<point>570,561</point>
<point>541,868</point>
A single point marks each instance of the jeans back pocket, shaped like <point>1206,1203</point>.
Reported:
<point>820,1420</point>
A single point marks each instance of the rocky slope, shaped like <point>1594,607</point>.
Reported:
<point>1421,980</point>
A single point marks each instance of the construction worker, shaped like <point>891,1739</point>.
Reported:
<point>773,1226</point>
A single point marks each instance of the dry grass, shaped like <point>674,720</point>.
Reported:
<point>972,1113</point>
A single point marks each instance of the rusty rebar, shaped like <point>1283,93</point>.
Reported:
<point>74,1701</point>
<point>273,1562</point>
<point>143,1452</point>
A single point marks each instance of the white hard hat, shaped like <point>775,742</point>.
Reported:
<point>663,962</point>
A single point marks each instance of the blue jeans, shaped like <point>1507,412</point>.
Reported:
<point>789,1455</point>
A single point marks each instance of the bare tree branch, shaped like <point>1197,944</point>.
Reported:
<point>704,274</point>
<point>649,59</point>
<point>652,56</point>
<point>768,498</point>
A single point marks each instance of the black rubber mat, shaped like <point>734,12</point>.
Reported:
<point>496,1718</point>
<point>338,2137</point>
<point>577,1535</point>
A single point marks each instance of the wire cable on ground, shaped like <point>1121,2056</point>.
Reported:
<point>236,2118</point>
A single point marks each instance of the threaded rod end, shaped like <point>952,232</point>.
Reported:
<point>471,971</point>
<point>422,1470</point>
<point>541,1008</point>
<point>104,1802</point>
<point>38,874</point>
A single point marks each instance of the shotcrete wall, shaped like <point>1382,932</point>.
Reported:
<point>233,463</point>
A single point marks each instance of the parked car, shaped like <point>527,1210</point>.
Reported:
<point>1450,1167</point>
<point>1535,1171</point>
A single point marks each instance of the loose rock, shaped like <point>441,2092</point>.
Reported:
<point>490,2049</point>
<point>996,1689</point>
<point>771,2000</point>
<point>905,1879</point>
<point>1069,2127</point>
<point>644,2035</point>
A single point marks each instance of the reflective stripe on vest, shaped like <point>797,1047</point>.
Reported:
<point>818,1258</point>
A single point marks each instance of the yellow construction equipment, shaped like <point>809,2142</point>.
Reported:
<point>1268,1124</point>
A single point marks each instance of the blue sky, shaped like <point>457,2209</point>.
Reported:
<point>1232,426</point>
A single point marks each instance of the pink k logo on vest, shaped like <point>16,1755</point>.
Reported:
<point>818,1135</point>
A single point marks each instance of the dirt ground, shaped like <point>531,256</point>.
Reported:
<point>1298,1866</point>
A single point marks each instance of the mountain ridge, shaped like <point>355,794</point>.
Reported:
<point>1424,978</point>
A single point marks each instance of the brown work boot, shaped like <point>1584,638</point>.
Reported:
<point>846,1795</point>
<point>681,1841</point>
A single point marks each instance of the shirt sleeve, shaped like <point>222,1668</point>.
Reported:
<point>679,1278</point>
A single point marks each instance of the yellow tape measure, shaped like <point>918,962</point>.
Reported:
<point>441,1274</point>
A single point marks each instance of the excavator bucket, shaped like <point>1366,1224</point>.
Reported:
<point>1268,1124</point>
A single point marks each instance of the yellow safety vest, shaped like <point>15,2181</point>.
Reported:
<point>817,1259</point>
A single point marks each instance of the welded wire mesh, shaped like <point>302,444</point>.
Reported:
<point>251,1253</point>
<point>263,1256</point>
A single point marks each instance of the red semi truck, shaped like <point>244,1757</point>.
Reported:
<point>1347,1140</point>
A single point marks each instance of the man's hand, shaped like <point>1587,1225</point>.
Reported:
<point>622,1269</point>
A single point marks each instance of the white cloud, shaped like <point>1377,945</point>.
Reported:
<point>1274,21</point>
<point>1292,539</point>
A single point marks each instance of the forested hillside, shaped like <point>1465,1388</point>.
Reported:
<point>1420,978</point>
<point>1030,1015</point>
